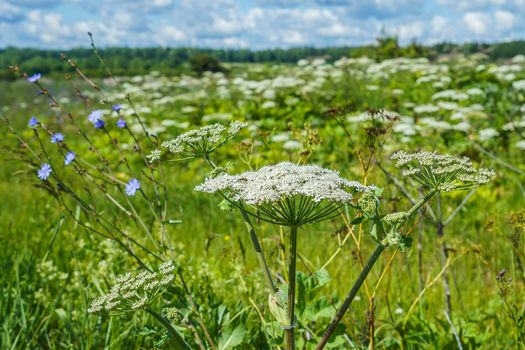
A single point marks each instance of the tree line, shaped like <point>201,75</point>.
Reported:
<point>133,61</point>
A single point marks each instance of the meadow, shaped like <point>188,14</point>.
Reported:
<point>451,275</point>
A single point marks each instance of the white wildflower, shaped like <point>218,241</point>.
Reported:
<point>203,141</point>
<point>519,85</point>
<point>520,144</point>
<point>487,134</point>
<point>292,145</point>
<point>132,292</point>
<point>299,189</point>
<point>154,155</point>
<point>441,172</point>
<point>139,303</point>
<point>425,109</point>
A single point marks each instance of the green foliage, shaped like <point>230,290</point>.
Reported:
<point>53,267</point>
<point>204,62</point>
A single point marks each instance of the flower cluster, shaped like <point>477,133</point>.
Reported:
<point>441,172</point>
<point>203,141</point>
<point>287,193</point>
<point>131,293</point>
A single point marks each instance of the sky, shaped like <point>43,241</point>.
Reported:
<point>255,24</point>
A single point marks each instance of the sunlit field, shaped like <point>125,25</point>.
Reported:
<point>347,203</point>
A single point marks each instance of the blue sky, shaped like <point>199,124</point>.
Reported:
<point>254,24</point>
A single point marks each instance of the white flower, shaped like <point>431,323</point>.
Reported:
<point>296,190</point>
<point>134,292</point>
<point>154,155</point>
<point>441,172</point>
<point>487,134</point>
<point>203,141</point>
<point>519,85</point>
<point>425,109</point>
<point>292,145</point>
<point>521,144</point>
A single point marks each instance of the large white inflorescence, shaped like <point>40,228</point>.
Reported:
<point>204,140</point>
<point>442,171</point>
<point>273,183</point>
<point>134,292</point>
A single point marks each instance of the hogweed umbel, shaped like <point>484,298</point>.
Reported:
<point>133,292</point>
<point>287,194</point>
<point>290,195</point>
<point>441,171</point>
<point>202,142</point>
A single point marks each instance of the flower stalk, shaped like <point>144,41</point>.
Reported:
<point>180,344</point>
<point>381,246</point>
<point>292,263</point>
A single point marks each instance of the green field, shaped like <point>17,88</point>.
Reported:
<point>67,238</point>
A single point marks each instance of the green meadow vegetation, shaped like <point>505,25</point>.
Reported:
<point>350,203</point>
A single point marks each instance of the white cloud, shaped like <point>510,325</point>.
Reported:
<point>505,20</point>
<point>235,42</point>
<point>477,22</point>
<point>410,31</point>
<point>256,23</point>
<point>293,38</point>
<point>439,23</point>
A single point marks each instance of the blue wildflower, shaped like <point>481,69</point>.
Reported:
<point>95,116</point>
<point>69,158</point>
<point>99,124</point>
<point>34,78</point>
<point>44,171</point>
<point>117,108</point>
<point>57,137</point>
<point>132,186</point>
<point>33,122</point>
<point>121,123</point>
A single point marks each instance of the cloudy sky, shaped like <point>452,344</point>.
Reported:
<point>254,23</point>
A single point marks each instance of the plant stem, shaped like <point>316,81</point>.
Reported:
<point>179,341</point>
<point>292,261</point>
<point>258,250</point>
<point>444,255</point>
<point>350,297</point>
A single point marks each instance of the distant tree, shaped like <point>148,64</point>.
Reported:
<point>204,62</point>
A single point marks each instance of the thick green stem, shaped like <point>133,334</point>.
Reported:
<point>292,262</point>
<point>350,297</point>
<point>422,202</point>
<point>180,344</point>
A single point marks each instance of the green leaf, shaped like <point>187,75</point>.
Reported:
<point>231,338</point>
<point>358,220</point>
<point>62,314</point>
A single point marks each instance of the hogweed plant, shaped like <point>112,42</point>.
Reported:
<point>293,195</point>
<point>137,292</point>
<point>288,195</point>
<point>434,173</point>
